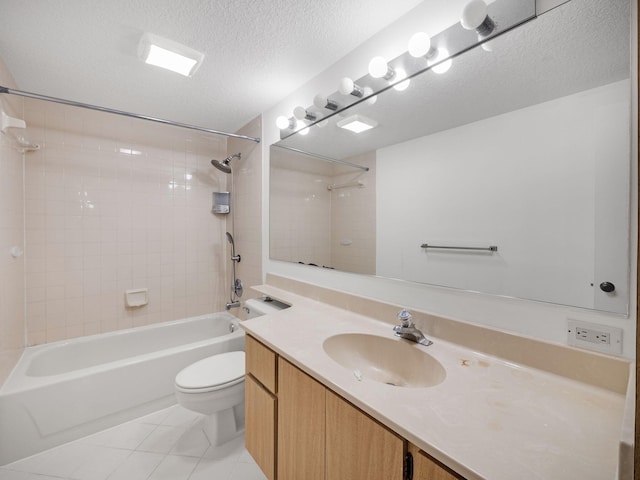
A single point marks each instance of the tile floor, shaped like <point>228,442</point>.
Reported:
<point>166,445</point>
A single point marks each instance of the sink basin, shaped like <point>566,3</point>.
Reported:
<point>385,360</point>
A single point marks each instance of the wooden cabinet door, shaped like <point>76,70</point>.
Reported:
<point>358,447</point>
<point>426,468</point>
<point>301,415</point>
<point>260,426</point>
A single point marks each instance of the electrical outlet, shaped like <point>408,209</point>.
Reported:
<point>592,336</point>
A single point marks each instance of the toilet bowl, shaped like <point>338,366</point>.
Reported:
<point>214,386</point>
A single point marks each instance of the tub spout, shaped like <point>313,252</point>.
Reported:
<point>231,305</point>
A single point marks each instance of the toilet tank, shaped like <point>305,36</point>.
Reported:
<point>256,307</point>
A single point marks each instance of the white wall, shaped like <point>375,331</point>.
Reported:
<point>530,182</point>
<point>539,320</point>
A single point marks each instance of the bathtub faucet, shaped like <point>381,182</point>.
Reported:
<point>231,305</point>
<point>408,330</point>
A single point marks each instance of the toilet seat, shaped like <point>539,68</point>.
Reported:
<point>212,373</point>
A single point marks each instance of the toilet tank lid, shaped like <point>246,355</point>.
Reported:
<point>257,307</point>
<point>211,371</point>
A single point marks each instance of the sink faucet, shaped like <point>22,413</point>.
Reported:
<point>408,330</point>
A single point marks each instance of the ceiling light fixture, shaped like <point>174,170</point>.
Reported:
<point>474,17</point>
<point>168,54</point>
<point>357,123</point>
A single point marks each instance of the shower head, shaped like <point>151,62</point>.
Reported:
<point>223,165</point>
<point>230,238</point>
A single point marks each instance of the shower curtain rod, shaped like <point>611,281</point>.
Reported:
<point>72,103</point>
<point>322,157</point>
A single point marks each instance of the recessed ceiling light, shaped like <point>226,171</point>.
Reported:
<point>357,123</point>
<point>168,54</point>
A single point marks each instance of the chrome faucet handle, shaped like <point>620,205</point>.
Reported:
<point>404,317</point>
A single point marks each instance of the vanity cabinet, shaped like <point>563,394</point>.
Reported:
<point>358,446</point>
<point>301,425</point>
<point>261,406</point>
<point>426,468</point>
<point>296,428</point>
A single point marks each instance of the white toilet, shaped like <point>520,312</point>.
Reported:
<point>214,386</point>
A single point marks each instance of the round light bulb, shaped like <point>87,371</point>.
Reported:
<point>320,101</point>
<point>300,113</point>
<point>419,44</point>
<point>444,66</point>
<point>346,86</point>
<point>400,74</point>
<point>302,128</point>
<point>282,122</point>
<point>473,14</point>
<point>378,67</point>
<point>369,91</point>
<point>487,46</point>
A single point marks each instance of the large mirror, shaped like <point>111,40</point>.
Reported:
<point>508,174</point>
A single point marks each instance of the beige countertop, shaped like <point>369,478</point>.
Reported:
<point>490,418</point>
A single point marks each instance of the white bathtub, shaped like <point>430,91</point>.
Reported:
<point>65,390</point>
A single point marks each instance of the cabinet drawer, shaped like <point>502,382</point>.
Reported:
<point>261,363</point>
<point>260,432</point>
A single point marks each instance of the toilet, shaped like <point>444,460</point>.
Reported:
<point>214,386</point>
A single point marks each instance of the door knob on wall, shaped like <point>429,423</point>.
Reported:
<point>607,287</point>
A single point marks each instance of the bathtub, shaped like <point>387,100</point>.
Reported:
<point>62,391</point>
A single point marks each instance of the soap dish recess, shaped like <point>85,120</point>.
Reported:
<point>137,298</point>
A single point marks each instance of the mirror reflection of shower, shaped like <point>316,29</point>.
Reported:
<point>236,285</point>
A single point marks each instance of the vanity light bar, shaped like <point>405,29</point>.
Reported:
<point>437,50</point>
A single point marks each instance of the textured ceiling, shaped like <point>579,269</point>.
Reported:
<point>256,51</point>
<point>580,45</point>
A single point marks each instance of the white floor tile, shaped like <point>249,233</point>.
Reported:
<point>247,471</point>
<point>100,463</point>
<point>209,469</point>
<point>181,417</point>
<point>174,467</point>
<point>155,418</point>
<point>58,462</point>
<point>13,475</point>
<point>137,466</point>
<point>162,439</point>
<point>228,451</point>
<point>194,443</point>
<point>127,436</point>
<point>169,445</point>
<point>35,476</point>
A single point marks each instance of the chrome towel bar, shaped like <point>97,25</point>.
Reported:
<point>490,248</point>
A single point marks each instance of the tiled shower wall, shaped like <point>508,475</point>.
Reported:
<point>114,203</point>
<point>247,201</point>
<point>12,317</point>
